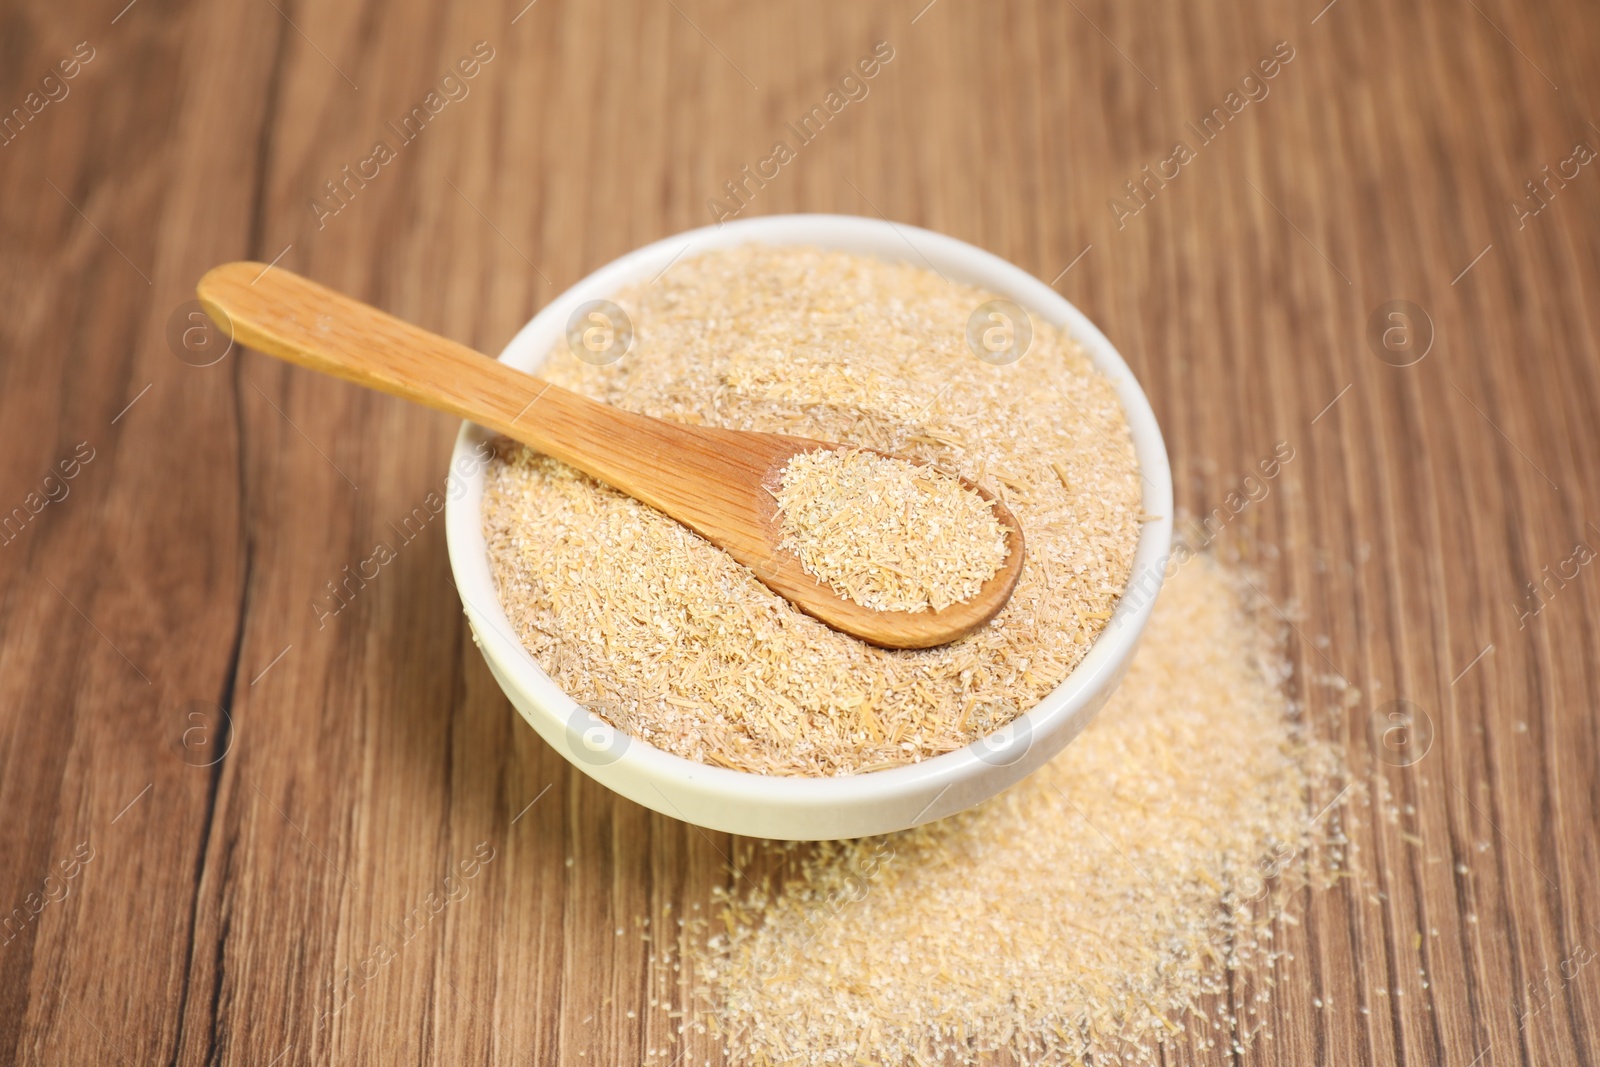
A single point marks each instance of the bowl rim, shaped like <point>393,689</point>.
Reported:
<point>1060,709</point>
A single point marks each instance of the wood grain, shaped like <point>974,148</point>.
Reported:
<point>246,863</point>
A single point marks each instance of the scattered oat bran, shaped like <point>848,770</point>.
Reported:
<point>1120,901</point>
<point>887,533</point>
<point>667,637</point>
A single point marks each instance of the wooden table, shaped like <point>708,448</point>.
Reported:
<point>226,797</point>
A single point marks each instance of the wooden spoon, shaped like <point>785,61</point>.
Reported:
<point>717,482</point>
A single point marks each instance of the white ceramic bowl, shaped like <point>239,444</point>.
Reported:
<point>812,808</point>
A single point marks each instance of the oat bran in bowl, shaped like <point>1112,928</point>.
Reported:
<point>664,670</point>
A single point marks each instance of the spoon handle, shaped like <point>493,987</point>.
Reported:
<point>295,319</point>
